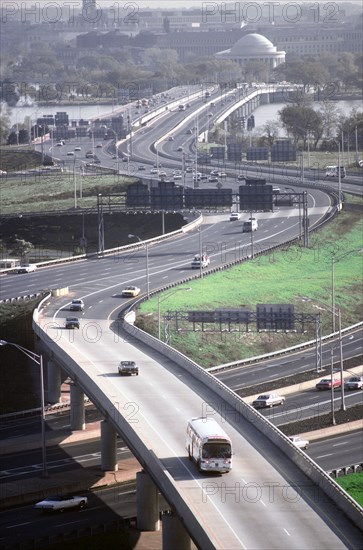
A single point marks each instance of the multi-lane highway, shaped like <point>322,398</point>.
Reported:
<point>164,396</point>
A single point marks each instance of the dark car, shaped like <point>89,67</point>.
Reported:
<point>72,322</point>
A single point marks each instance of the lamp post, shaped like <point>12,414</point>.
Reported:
<point>187,289</point>
<point>38,359</point>
<point>341,362</point>
<point>147,262</point>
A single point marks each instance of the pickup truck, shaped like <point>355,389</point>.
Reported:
<point>26,268</point>
<point>59,503</point>
<point>128,368</point>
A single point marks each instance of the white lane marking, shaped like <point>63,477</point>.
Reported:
<point>337,444</point>
<point>17,525</point>
<point>323,456</point>
<point>286,531</point>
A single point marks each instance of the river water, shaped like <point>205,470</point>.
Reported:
<point>76,112</point>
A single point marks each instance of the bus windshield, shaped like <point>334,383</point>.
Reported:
<point>216,450</point>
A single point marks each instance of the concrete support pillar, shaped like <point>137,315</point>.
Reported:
<point>54,382</point>
<point>174,533</point>
<point>77,408</point>
<point>147,503</point>
<point>108,447</point>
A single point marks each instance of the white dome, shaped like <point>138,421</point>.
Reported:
<point>253,44</point>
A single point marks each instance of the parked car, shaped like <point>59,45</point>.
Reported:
<point>130,292</point>
<point>299,442</point>
<point>268,400</point>
<point>326,384</point>
<point>128,368</point>
<point>354,383</point>
<point>234,216</point>
<point>72,322</point>
<point>26,268</point>
<point>77,305</point>
<point>59,503</point>
<point>200,261</point>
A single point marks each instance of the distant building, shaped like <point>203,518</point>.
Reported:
<point>253,47</point>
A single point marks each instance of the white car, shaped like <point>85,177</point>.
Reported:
<point>299,441</point>
<point>26,268</point>
<point>59,503</point>
<point>234,216</point>
<point>354,383</point>
<point>77,149</point>
<point>154,171</point>
<point>268,400</point>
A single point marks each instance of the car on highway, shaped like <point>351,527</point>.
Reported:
<point>200,261</point>
<point>141,167</point>
<point>354,383</point>
<point>177,177</point>
<point>70,153</point>
<point>99,145</point>
<point>326,384</point>
<point>240,177</point>
<point>26,268</point>
<point>180,148</point>
<point>268,400</point>
<point>130,292</point>
<point>214,173</point>
<point>189,131</point>
<point>234,216</point>
<point>162,174</point>
<point>72,322</point>
<point>250,225</point>
<point>221,174</point>
<point>77,149</point>
<point>128,368</point>
<point>299,441</point>
<point>76,305</point>
<point>154,171</point>
<point>213,179</point>
<point>170,138</point>
<point>59,503</point>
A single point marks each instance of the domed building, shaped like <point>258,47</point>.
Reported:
<point>253,47</point>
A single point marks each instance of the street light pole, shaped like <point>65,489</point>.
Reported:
<point>147,262</point>
<point>38,359</point>
<point>332,386</point>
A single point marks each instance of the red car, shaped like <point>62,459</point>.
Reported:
<point>326,383</point>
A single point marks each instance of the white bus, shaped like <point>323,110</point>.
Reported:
<point>208,445</point>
